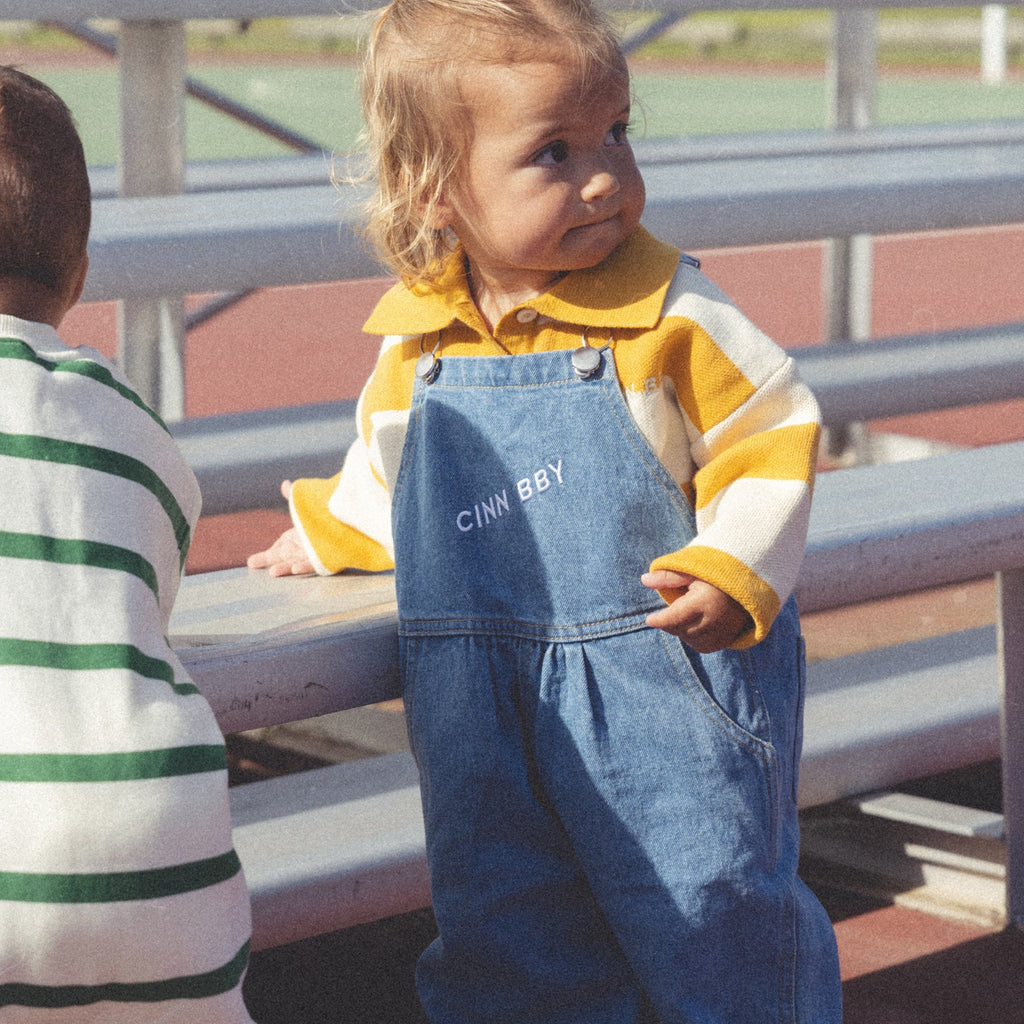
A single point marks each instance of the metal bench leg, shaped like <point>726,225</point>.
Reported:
<point>847,274</point>
<point>1010,595</point>
<point>152,64</point>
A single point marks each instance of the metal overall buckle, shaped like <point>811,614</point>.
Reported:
<point>428,365</point>
<point>586,360</point>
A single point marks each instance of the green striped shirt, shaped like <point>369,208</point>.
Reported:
<point>119,884</point>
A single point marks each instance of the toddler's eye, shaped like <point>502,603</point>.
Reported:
<point>555,153</point>
<point>617,134</point>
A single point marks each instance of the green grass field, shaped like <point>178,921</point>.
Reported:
<point>320,102</point>
<point>317,97</point>
<point>936,37</point>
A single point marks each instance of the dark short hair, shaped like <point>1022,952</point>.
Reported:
<point>45,201</point>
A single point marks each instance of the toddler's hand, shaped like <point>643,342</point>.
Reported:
<point>286,556</point>
<point>702,615</point>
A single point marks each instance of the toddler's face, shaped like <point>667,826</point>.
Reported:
<point>550,183</point>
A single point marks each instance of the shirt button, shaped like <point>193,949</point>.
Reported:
<point>526,316</point>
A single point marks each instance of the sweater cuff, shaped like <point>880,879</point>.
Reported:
<point>732,577</point>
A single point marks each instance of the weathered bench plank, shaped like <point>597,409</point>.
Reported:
<point>224,175</point>
<point>879,718</point>
<point>241,458</point>
<point>315,168</point>
<point>890,529</point>
<point>338,846</point>
<point>915,373</point>
<point>343,845</point>
<point>331,848</point>
<point>248,238</point>
<point>264,650</point>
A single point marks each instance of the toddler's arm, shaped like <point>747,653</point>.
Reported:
<point>344,522</point>
<point>752,430</point>
<point>698,613</point>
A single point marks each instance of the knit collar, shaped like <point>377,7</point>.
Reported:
<point>624,291</point>
<point>42,338</point>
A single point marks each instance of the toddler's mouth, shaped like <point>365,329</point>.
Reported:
<point>598,222</point>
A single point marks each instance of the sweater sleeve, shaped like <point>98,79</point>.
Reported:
<point>754,431</point>
<point>345,522</point>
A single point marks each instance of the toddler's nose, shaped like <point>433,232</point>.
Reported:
<point>600,185</point>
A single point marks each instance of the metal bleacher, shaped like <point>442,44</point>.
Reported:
<point>341,845</point>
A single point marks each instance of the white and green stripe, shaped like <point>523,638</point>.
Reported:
<point>119,766</point>
<point>102,460</point>
<point>88,658</point>
<point>116,886</point>
<point>39,548</point>
<point>190,987</point>
<point>12,348</point>
<point>121,895</point>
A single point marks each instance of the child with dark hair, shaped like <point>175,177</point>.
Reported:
<point>122,900</point>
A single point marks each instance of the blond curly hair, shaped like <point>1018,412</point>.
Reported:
<point>418,131</point>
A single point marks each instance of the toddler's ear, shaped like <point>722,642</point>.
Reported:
<point>436,212</point>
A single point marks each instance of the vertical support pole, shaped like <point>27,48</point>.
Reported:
<point>848,262</point>
<point>1010,598</point>
<point>993,44</point>
<point>152,61</point>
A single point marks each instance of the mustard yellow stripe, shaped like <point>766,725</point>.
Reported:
<point>347,548</point>
<point>337,545</point>
<point>786,453</point>
<point>390,387</point>
<point>731,576</point>
<point>709,386</point>
<point>637,358</point>
<point>713,387</point>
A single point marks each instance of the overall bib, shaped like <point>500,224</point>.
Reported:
<point>610,817</point>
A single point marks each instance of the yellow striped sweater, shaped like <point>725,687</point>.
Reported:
<point>122,900</point>
<point>718,401</point>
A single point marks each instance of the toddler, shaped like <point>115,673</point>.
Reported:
<point>592,475</point>
<point>122,900</point>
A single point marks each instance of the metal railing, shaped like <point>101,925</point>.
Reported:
<point>154,83</point>
<point>848,560</point>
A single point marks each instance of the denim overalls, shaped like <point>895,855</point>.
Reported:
<point>611,819</point>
